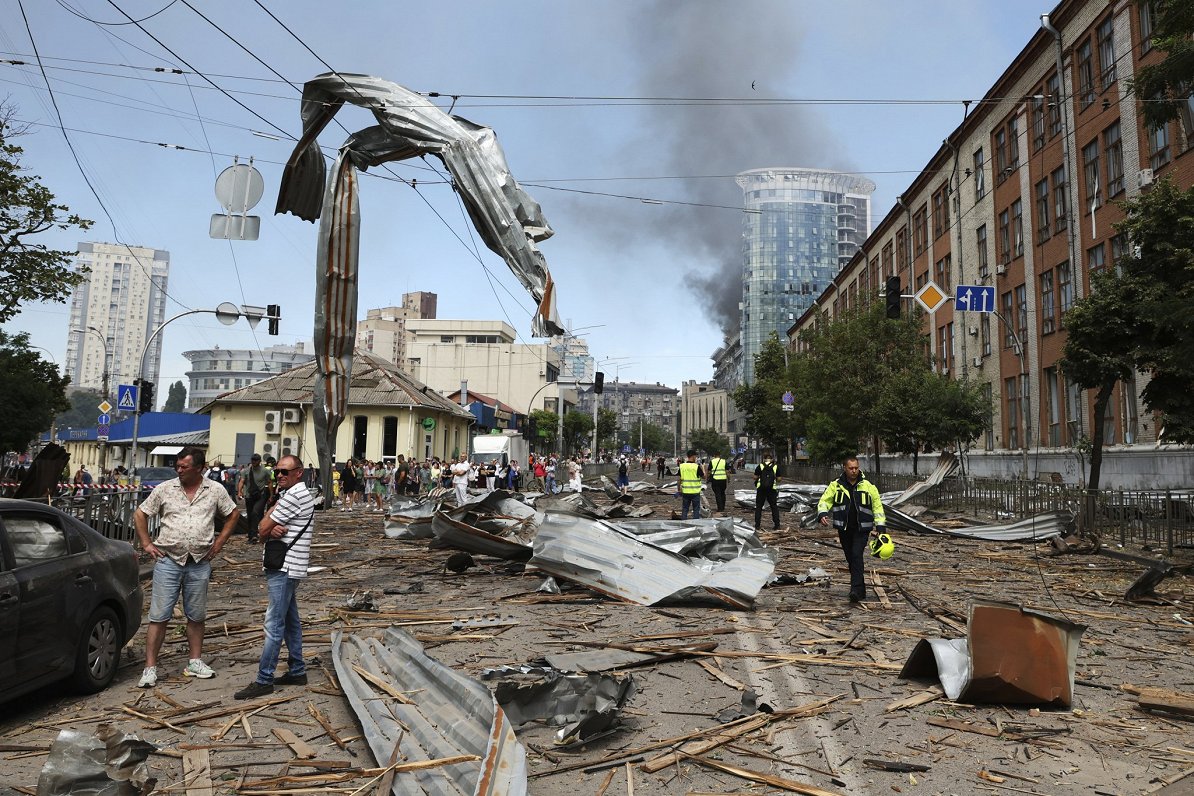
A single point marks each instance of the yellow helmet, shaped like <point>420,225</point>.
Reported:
<point>882,546</point>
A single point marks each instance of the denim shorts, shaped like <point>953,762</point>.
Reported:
<point>170,579</point>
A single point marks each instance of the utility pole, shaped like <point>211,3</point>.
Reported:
<point>103,446</point>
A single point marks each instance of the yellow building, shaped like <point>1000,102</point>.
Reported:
<point>389,413</point>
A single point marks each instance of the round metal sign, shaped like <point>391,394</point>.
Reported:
<point>429,423</point>
<point>239,188</point>
<point>227,313</point>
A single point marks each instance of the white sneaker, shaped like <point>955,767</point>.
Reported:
<point>197,668</point>
<point>149,677</point>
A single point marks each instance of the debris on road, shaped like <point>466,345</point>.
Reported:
<point>584,706</point>
<point>108,763</point>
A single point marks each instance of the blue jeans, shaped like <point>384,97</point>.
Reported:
<point>281,625</point>
<point>693,500</point>
<point>171,579</point>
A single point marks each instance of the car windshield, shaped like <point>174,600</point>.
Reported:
<point>156,473</point>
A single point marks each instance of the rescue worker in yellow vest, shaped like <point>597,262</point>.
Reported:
<point>716,473</point>
<point>857,512</point>
<point>766,477</point>
<point>690,487</point>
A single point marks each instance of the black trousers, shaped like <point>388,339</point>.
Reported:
<point>719,493</point>
<point>854,546</point>
<point>255,508</point>
<point>766,496</point>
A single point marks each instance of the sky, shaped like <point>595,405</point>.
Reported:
<point>625,119</point>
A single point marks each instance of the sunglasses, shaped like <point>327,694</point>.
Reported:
<point>282,471</point>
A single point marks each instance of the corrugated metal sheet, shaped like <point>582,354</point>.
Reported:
<point>615,562</point>
<point>1036,528</point>
<point>497,525</point>
<point>452,714</point>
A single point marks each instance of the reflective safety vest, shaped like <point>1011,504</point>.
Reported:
<point>867,506</point>
<point>717,468</point>
<point>690,478</point>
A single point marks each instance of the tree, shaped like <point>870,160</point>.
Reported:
<point>577,428</point>
<point>1100,347</point>
<point>761,401</point>
<point>176,401</point>
<point>709,440</point>
<point>654,438</point>
<point>30,271</point>
<point>920,411</point>
<point>1168,83</point>
<point>31,389</point>
<point>82,409</point>
<point>607,426</point>
<point>543,427</point>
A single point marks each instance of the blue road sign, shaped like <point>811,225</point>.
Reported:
<point>974,298</point>
<point>101,431</point>
<point>103,420</point>
<point>126,397</point>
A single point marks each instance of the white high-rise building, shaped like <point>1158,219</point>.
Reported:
<point>118,305</point>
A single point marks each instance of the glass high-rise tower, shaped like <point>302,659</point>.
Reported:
<point>800,227</point>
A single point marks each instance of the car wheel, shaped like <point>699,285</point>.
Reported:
<point>98,651</point>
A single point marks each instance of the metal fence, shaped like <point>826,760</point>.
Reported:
<point>1153,518</point>
<point>109,512</point>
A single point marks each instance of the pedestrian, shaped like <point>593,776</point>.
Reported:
<point>623,476</point>
<point>854,505</point>
<point>489,473</point>
<point>690,487</point>
<point>513,476</point>
<point>549,479</point>
<point>460,475</point>
<point>659,462</point>
<point>381,484</point>
<point>717,479</point>
<point>288,520</point>
<point>766,477</point>
<point>256,487</point>
<point>574,478</point>
<point>539,484</point>
<point>185,545</point>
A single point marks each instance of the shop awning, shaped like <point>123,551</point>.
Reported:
<point>165,450</point>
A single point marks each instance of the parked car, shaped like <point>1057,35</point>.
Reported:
<point>152,476</point>
<point>70,599</point>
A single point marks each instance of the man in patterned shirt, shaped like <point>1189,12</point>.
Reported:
<point>183,551</point>
<point>290,521</point>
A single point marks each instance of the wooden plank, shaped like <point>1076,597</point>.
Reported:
<point>928,695</point>
<point>301,748</point>
<point>700,747</point>
<point>1167,701</point>
<point>381,684</point>
<point>969,726</point>
<point>327,727</point>
<point>720,675</point>
<point>766,779</point>
<point>196,773</point>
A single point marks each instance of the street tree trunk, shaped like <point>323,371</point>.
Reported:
<point>1097,430</point>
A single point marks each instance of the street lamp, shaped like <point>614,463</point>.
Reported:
<point>103,446</point>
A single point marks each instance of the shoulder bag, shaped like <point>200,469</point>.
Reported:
<point>274,556</point>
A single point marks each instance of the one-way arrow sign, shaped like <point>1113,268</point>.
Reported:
<point>974,298</point>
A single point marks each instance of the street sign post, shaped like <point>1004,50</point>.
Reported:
<point>126,397</point>
<point>104,406</point>
<point>101,432</point>
<point>931,297</point>
<point>103,420</point>
<point>975,298</point>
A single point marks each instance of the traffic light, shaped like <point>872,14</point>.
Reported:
<point>893,297</point>
<point>599,383</point>
<point>144,395</point>
<point>274,312</point>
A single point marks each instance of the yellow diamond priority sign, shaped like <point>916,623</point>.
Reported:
<point>104,407</point>
<point>931,297</point>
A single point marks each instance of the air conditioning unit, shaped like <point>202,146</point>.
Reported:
<point>269,449</point>
<point>973,330</point>
<point>978,362</point>
<point>293,415</point>
<point>1144,178</point>
<point>1000,270</point>
<point>289,446</point>
<point>271,422</point>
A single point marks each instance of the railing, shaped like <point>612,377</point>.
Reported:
<point>1156,518</point>
<point>108,510</point>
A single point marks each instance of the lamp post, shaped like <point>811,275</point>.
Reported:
<point>103,446</point>
<point>599,363</point>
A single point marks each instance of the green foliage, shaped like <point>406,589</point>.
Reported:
<point>29,271</point>
<point>1167,83</point>
<point>176,401</point>
<point>826,441</point>
<point>32,389</point>
<point>920,411</point>
<point>545,426</point>
<point>577,428</point>
<point>82,409</point>
<point>654,438</point>
<point>761,401</point>
<point>607,426</point>
<point>709,440</point>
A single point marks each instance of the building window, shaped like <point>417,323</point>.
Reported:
<point>920,229</point>
<point>1114,148</point>
<point>1044,221</point>
<point>1060,201</point>
<point>1048,310</point>
<point>1086,90</point>
<point>1013,143</point>
<point>1000,156</point>
<point>902,248</point>
<point>1038,122</point>
<point>938,213</point>
<point>1065,287</point>
<point>1096,258</point>
<point>1158,145</point>
<point>980,239</point>
<point>888,262</point>
<point>1017,229</point>
<point>1012,391</point>
<point>1053,407</point>
<point>942,271</point>
<point>1090,163</point>
<point>1146,26</point>
<point>980,176</point>
<point>1106,36</point>
<point>1004,251</point>
<point>1009,340</point>
<point>988,398</point>
<point>1053,91</point>
<point>1022,312</point>
<point>984,333</point>
<point>447,338</point>
<point>1073,411</point>
<point>1119,251</point>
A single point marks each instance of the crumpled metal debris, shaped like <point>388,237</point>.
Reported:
<point>549,586</point>
<point>410,517</point>
<point>1010,655</point>
<point>815,574</point>
<point>947,463</point>
<point>613,561</point>
<point>497,525</point>
<point>580,503</point>
<point>720,539</point>
<point>1037,528</point>
<point>484,621</point>
<point>361,601</point>
<point>790,497</point>
<point>584,706</point>
<point>449,714</point>
<point>604,660</point>
<point>108,763</point>
<point>749,706</point>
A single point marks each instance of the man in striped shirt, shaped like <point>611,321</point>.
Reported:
<point>290,520</point>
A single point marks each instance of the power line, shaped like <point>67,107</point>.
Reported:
<point>80,15</point>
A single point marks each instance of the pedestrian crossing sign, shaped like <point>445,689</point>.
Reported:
<point>126,397</point>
